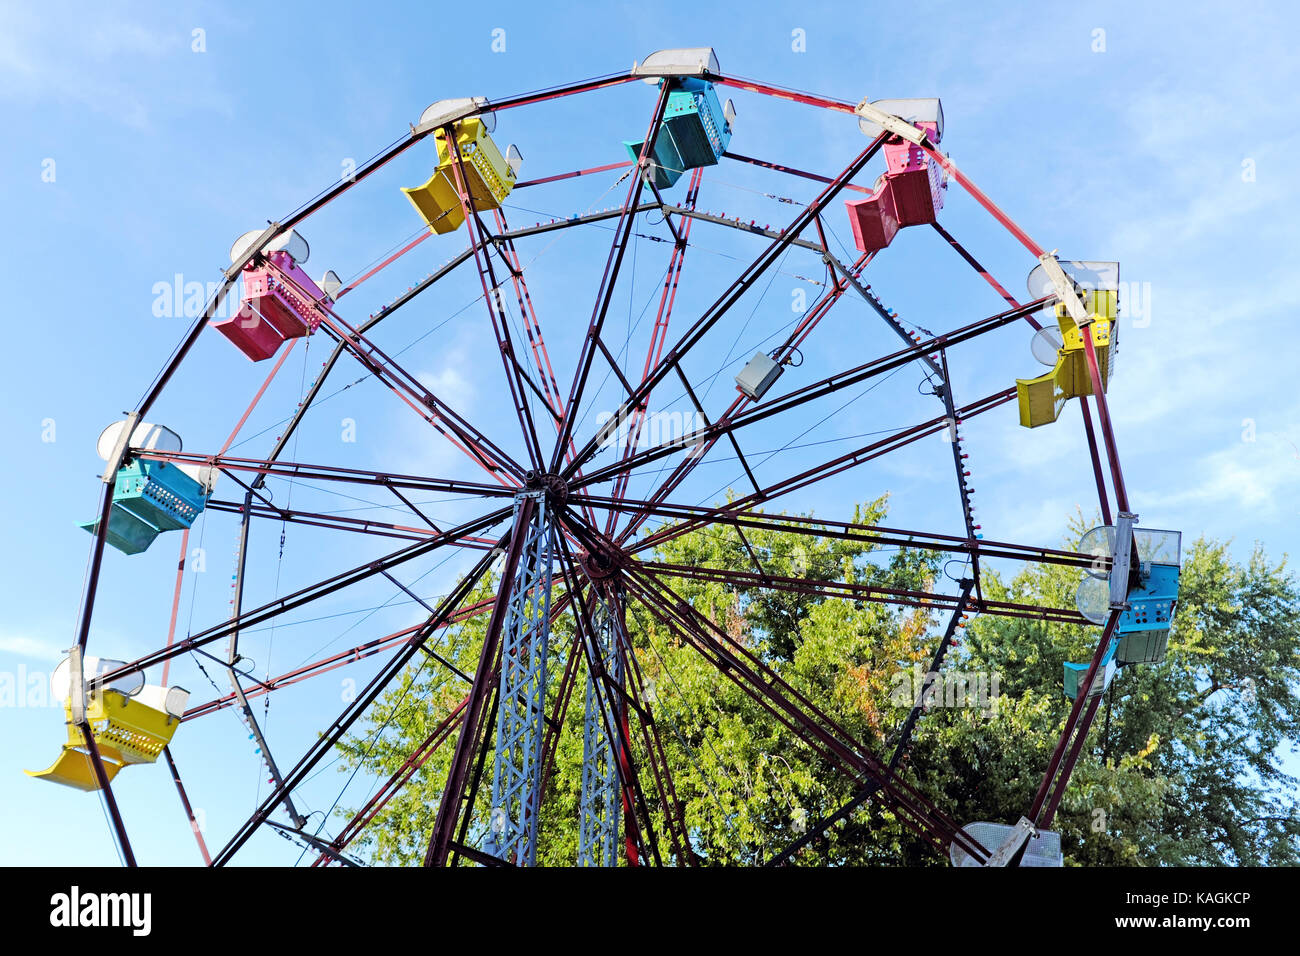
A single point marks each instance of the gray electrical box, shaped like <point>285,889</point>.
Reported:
<point>757,376</point>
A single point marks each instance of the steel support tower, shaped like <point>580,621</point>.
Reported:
<point>598,804</point>
<point>525,634</point>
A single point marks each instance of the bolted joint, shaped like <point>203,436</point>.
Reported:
<point>555,487</point>
<point>601,565</point>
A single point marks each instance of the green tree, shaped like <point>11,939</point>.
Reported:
<point>1183,765</point>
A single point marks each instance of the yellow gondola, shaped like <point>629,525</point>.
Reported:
<point>129,726</point>
<point>491,176</point>
<point>1041,398</point>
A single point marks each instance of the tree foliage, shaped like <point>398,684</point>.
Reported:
<point>1184,764</point>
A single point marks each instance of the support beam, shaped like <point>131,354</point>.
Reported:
<point>521,709</point>
<point>797,713</point>
<point>233,657</point>
<point>805,394</point>
<point>326,743</point>
<point>454,804</point>
<point>303,596</point>
<point>381,529</point>
<point>944,388</point>
<point>904,740</point>
<point>500,322</point>
<point>732,295</point>
<point>640,840</point>
<point>904,597</point>
<point>334,661</point>
<point>598,802</point>
<point>984,273</point>
<point>398,779</point>
<point>448,423</point>
<point>1057,776</point>
<point>189,810</point>
<point>307,472</point>
<point>836,465</point>
<point>888,317</point>
<point>605,294</point>
<point>658,336</point>
<point>846,530</point>
<point>781,354</point>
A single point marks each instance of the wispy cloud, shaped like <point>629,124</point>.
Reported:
<point>1260,476</point>
<point>24,645</point>
<point>94,60</point>
<point>40,63</point>
<point>449,383</point>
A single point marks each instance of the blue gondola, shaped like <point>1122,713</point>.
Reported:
<point>1144,627</point>
<point>695,131</point>
<point>1074,673</point>
<point>150,497</point>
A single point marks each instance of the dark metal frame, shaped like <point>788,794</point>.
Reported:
<point>599,559</point>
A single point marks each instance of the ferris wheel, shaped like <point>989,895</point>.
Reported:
<point>567,511</point>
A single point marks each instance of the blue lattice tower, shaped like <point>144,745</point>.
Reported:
<point>598,804</point>
<point>525,634</point>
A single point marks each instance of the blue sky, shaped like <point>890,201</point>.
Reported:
<point>1153,134</point>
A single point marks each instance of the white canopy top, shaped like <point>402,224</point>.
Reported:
<point>448,111</point>
<point>692,61</point>
<point>916,110</point>
<point>290,242</point>
<point>1091,276</point>
<point>145,435</point>
<point>92,667</point>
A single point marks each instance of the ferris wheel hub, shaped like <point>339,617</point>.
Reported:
<point>602,563</point>
<point>556,488</point>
